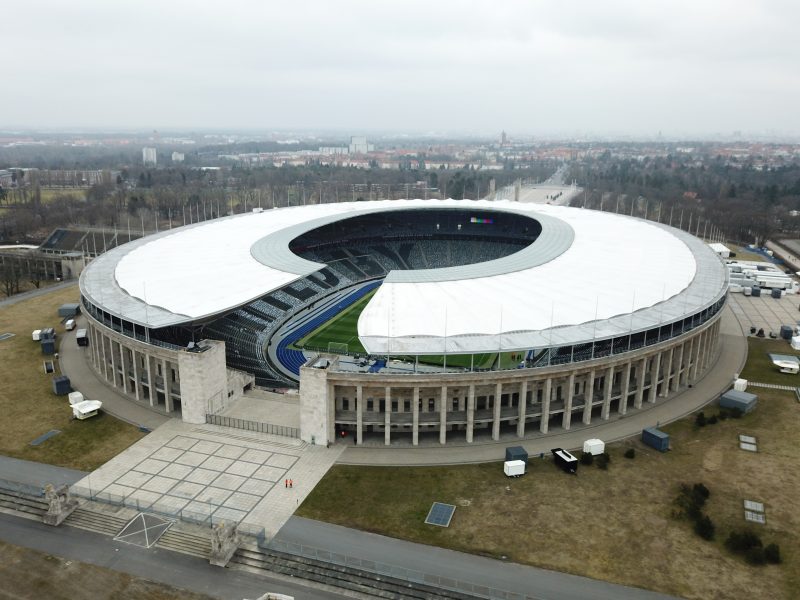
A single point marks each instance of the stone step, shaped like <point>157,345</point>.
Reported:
<point>268,439</point>
<point>22,504</point>
<point>185,543</point>
<point>344,577</point>
<point>96,521</point>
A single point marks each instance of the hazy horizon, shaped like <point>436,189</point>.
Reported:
<point>613,69</point>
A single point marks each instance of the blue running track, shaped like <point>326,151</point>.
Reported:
<point>294,359</point>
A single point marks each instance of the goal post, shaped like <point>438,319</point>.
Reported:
<point>337,347</point>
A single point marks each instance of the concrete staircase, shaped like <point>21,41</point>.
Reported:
<point>99,522</point>
<point>22,505</point>
<point>185,543</point>
<point>254,559</point>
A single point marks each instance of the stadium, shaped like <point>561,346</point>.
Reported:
<point>409,320</point>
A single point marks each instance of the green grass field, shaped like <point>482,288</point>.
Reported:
<point>343,329</point>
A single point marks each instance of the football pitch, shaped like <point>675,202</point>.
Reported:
<point>343,329</point>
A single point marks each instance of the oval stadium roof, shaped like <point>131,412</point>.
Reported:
<point>589,275</point>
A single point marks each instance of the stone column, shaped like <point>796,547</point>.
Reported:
<point>609,384</point>
<point>654,368</point>
<point>695,357</point>
<point>624,389</point>
<point>124,368</point>
<point>151,384</point>
<point>640,373</point>
<point>588,396</point>
<point>667,373</point>
<point>676,379</point>
<point>415,417</point>
<point>470,412</point>
<point>387,424</point>
<point>443,416</point>
<point>359,414</point>
<point>566,418</point>
<point>136,383</point>
<point>166,381</point>
<point>498,391</point>
<point>113,362</point>
<point>523,405</point>
<point>544,423</point>
<point>687,369</point>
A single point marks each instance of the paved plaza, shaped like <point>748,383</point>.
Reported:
<point>765,312</point>
<point>209,474</point>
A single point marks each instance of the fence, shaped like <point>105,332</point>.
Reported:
<point>410,575</point>
<point>246,425</point>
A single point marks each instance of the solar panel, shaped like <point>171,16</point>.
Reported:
<point>753,506</point>
<point>440,514</point>
<point>747,439</point>
<point>754,517</point>
<point>748,447</point>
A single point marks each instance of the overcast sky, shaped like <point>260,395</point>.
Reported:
<point>540,67</point>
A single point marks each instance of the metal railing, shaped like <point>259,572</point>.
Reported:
<point>397,572</point>
<point>257,426</point>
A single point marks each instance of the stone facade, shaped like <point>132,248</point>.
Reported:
<point>491,403</point>
<point>186,384</point>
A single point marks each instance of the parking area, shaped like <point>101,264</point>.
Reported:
<point>766,312</point>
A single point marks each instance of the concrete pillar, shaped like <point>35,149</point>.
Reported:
<point>103,356</point>
<point>415,417</point>
<point>605,413</point>
<point>151,381</point>
<point>566,418</point>
<point>687,369</point>
<point>165,382</point>
<point>470,412</point>
<point>544,424</point>
<point>588,396</point>
<point>443,416</point>
<point>624,389</point>
<point>695,357</point>
<point>113,362</point>
<point>640,372</point>
<point>523,405</point>
<point>676,379</point>
<point>359,414</point>
<point>656,365</point>
<point>498,391</point>
<point>137,385</point>
<point>124,368</point>
<point>667,373</point>
<point>387,424</point>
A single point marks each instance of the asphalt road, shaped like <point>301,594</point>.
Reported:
<point>154,564</point>
<point>510,577</point>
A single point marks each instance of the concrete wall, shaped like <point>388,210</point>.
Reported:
<point>316,408</point>
<point>204,380</point>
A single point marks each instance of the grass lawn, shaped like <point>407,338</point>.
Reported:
<point>50,194</point>
<point>29,574</point>
<point>616,525</point>
<point>759,367</point>
<point>30,408</point>
<point>342,329</point>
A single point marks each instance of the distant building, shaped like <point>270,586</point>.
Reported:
<point>359,145</point>
<point>333,150</point>
<point>149,157</point>
<point>503,139</point>
<point>177,157</point>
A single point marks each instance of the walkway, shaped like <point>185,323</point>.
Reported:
<point>74,364</point>
<point>39,292</point>
<point>36,474</point>
<point>731,361</point>
<point>449,564</point>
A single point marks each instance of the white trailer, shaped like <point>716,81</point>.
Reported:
<point>514,468</point>
<point>87,408</point>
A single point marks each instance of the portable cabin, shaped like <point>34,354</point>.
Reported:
<point>594,447</point>
<point>516,453</point>
<point>514,468</point>
<point>61,385</point>
<point>48,346</point>
<point>655,438</point>
<point>86,409</point>
<point>787,331</point>
<point>755,291</point>
<point>81,337</point>
<point>740,384</point>
<point>564,460</point>
<point>776,293</point>
<point>69,325</point>
<point>743,401</point>
<point>69,310</point>
<point>36,335</point>
<point>75,398</point>
<point>47,334</point>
